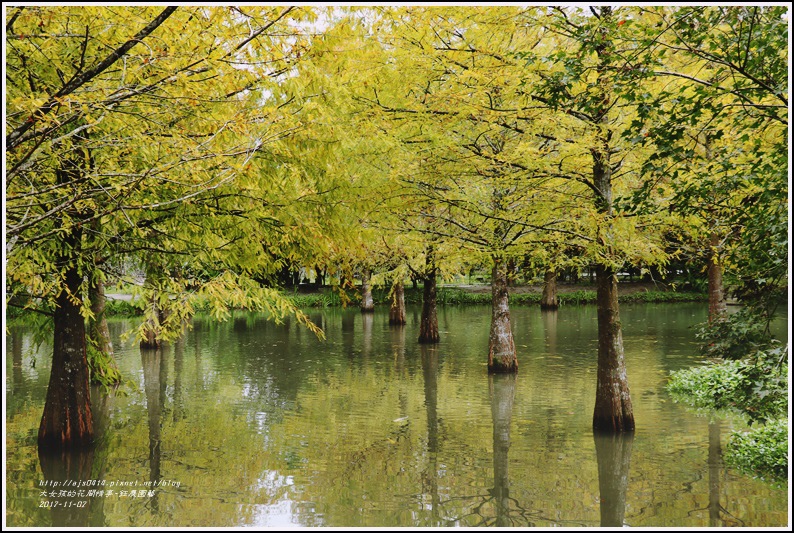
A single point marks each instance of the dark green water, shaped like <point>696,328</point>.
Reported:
<point>248,423</point>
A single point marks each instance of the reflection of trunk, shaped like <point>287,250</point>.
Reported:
<point>397,309</point>
<point>58,469</point>
<point>715,465</point>
<point>366,338</point>
<point>613,410</point>
<point>717,304</point>
<point>100,407</point>
<point>179,409</point>
<point>501,348</point>
<point>152,362</point>
<point>428,328</point>
<point>367,303</point>
<point>430,374</point>
<point>502,388</point>
<point>549,298</point>
<point>613,453</point>
<point>430,476</point>
<point>550,327</point>
<point>67,420</point>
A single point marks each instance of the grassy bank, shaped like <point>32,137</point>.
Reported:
<point>454,296</point>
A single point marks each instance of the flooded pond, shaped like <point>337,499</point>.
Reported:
<point>249,423</point>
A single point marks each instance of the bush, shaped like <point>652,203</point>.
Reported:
<point>734,336</point>
<point>762,451</point>
<point>757,388</point>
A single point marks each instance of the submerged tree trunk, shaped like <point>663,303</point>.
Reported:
<point>613,410</point>
<point>67,421</point>
<point>549,298</point>
<point>717,304</point>
<point>428,327</point>
<point>501,348</point>
<point>397,309</point>
<point>367,303</point>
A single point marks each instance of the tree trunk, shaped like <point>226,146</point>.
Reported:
<point>613,410</point>
<point>151,338</point>
<point>367,303</point>
<point>428,327</point>
<point>501,348</point>
<point>397,309</point>
<point>717,304</point>
<point>613,454</point>
<point>549,298</point>
<point>67,421</point>
<point>98,327</point>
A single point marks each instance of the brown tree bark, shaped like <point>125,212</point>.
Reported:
<point>428,326</point>
<point>367,303</point>
<point>397,309</point>
<point>549,299</point>
<point>501,348</point>
<point>613,410</point>
<point>717,304</point>
<point>98,326</point>
<point>67,421</point>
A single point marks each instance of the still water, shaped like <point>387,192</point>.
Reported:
<point>249,423</point>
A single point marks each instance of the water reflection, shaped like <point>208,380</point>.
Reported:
<point>264,430</point>
<point>715,465</point>
<point>429,354</point>
<point>65,473</point>
<point>155,379</point>
<point>179,406</point>
<point>502,388</point>
<point>613,452</point>
<point>549,317</point>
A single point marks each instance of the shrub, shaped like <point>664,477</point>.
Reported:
<point>762,450</point>
<point>754,387</point>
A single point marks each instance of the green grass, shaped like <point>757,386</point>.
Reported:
<point>454,296</point>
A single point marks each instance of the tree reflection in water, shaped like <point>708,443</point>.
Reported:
<point>154,381</point>
<point>429,354</point>
<point>613,452</point>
